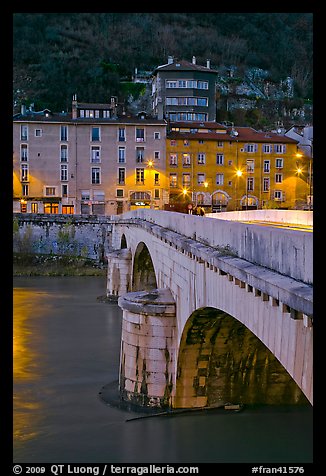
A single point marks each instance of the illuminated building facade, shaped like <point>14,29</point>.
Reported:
<point>88,161</point>
<point>232,168</point>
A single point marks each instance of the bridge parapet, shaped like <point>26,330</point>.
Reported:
<point>288,252</point>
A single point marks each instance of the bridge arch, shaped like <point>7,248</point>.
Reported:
<point>169,251</point>
<point>143,273</point>
<point>220,360</point>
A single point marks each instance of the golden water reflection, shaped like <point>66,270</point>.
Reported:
<point>28,305</point>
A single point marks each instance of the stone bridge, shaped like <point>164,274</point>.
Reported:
<point>214,310</point>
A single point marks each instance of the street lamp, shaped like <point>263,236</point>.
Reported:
<point>299,171</point>
<point>239,174</point>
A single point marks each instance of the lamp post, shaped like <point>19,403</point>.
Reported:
<point>150,164</point>
<point>309,176</point>
<point>239,174</point>
<point>310,170</point>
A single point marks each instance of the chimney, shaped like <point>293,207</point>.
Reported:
<point>74,106</point>
<point>194,60</point>
<point>170,59</point>
<point>208,63</point>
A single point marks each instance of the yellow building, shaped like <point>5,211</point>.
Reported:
<point>232,168</point>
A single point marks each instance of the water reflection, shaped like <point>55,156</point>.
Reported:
<point>67,347</point>
<point>27,364</point>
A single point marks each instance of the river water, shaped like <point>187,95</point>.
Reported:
<point>66,348</point>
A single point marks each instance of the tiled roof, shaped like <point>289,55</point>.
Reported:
<point>183,65</point>
<point>245,134</point>
<point>198,125</point>
<point>67,117</point>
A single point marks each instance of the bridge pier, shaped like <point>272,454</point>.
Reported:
<point>148,348</point>
<point>119,272</point>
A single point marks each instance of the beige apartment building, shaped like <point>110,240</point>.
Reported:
<point>88,161</point>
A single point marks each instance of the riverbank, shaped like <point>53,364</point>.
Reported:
<point>28,264</point>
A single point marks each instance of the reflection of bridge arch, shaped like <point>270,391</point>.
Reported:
<point>143,274</point>
<point>220,360</point>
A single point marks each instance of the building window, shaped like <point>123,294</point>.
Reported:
<point>279,163</point>
<point>156,178</point>
<point>24,173</point>
<point>63,133</point>
<point>201,158</point>
<point>250,165</point>
<point>278,195</point>
<point>279,148</point>
<point>219,179</point>
<point>122,134</point>
<point>64,190</point>
<point>95,137</point>
<point>267,166</point>
<point>140,154</point>
<point>85,195</point>
<point>250,184</point>
<point>121,155</point>
<point>220,143</point>
<point>23,206</point>
<point>38,132</point>
<point>156,193</point>
<point>157,135</point>
<point>173,180</point>
<point>121,176</point>
<point>50,191</point>
<point>23,132</point>
<point>219,159</point>
<point>52,208</point>
<point>200,179</point>
<point>202,102</point>
<point>186,180</point>
<point>24,152</point>
<point>25,190</point>
<point>156,154</point>
<point>174,160</point>
<point>202,84</point>
<point>63,153</point>
<point>95,155</point>
<point>140,176</point>
<point>173,142</point>
<point>120,192</point>
<point>185,142</point>
<point>63,172</point>
<point>200,199</point>
<point>95,175</point>
<point>67,209</point>
<point>251,147</point>
<point>266,184</point>
<point>278,178</point>
<point>140,135</point>
<point>186,160</point>
<point>99,196</point>
<point>267,148</point>
<point>34,207</point>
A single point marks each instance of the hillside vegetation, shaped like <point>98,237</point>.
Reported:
<point>91,54</point>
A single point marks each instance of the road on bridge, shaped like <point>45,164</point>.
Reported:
<point>289,226</point>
